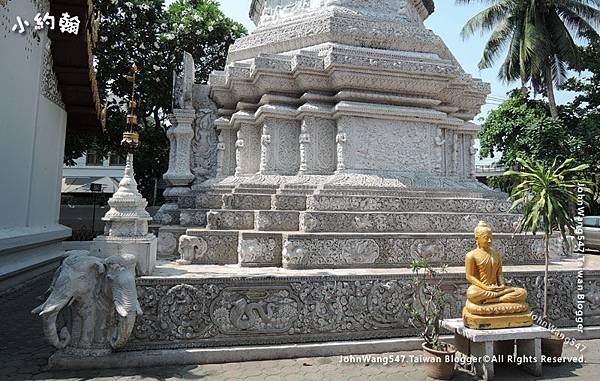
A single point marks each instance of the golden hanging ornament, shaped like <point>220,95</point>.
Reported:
<point>131,139</point>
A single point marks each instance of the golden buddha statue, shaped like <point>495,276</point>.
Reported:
<point>490,303</point>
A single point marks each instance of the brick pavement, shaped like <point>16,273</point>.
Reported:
<point>24,354</point>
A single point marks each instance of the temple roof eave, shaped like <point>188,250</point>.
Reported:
<point>72,59</point>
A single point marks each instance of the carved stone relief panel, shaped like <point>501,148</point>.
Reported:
<point>452,153</point>
<point>380,222</point>
<point>204,145</point>
<point>469,153</point>
<point>385,145</point>
<point>317,146</point>
<point>248,149</point>
<point>266,310</point>
<point>258,250</point>
<point>205,142</point>
<point>275,310</point>
<point>280,147</point>
<point>331,251</point>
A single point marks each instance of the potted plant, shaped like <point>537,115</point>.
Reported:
<point>425,313</point>
<point>548,195</point>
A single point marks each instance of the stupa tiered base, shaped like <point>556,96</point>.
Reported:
<point>343,221</point>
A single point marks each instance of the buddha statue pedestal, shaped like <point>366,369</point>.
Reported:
<point>490,303</point>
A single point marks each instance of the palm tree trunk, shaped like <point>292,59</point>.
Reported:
<point>546,243</point>
<point>550,92</point>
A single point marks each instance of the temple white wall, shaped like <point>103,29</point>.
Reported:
<point>32,135</point>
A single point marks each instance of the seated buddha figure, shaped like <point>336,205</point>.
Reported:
<point>491,304</point>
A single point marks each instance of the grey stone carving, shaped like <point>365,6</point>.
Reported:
<point>191,248</point>
<point>277,310</point>
<point>183,83</point>
<point>204,144</point>
<point>221,249</point>
<point>302,251</point>
<point>103,302</point>
<point>260,249</point>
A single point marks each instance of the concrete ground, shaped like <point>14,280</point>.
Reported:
<point>24,354</point>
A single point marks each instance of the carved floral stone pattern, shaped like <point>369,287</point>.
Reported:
<point>210,312</point>
<point>373,222</point>
<point>405,204</point>
<point>49,83</point>
<point>221,247</point>
<point>259,249</point>
<point>330,251</point>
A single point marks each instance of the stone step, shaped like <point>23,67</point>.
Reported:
<point>366,250</point>
<point>259,249</point>
<point>260,220</point>
<point>247,201</point>
<point>413,222</point>
<point>396,192</point>
<point>209,200</point>
<point>193,217</point>
<point>405,204</point>
<point>215,247</point>
<point>277,220</point>
<point>288,202</point>
<point>230,220</point>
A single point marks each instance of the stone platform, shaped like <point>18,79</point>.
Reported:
<point>211,306</point>
<point>480,345</point>
<point>211,314</point>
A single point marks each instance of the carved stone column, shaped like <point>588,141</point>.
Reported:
<point>472,151</point>
<point>226,150</point>
<point>179,175</point>
<point>180,135</point>
<point>341,140</point>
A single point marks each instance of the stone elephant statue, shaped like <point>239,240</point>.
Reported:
<point>102,297</point>
<point>191,248</point>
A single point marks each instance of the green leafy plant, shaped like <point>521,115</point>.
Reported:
<point>548,195</point>
<point>537,36</point>
<point>429,303</point>
<point>154,35</point>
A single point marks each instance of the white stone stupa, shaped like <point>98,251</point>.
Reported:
<point>126,225</point>
<point>338,135</point>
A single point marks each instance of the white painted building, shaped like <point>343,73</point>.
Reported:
<point>47,87</point>
<point>93,168</point>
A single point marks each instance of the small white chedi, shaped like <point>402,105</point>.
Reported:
<point>126,225</point>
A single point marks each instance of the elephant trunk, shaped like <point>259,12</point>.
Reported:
<point>122,331</point>
<point>49,323</point>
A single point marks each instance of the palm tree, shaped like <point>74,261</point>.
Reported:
<point>539,38</point>
<point>548,195</point>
